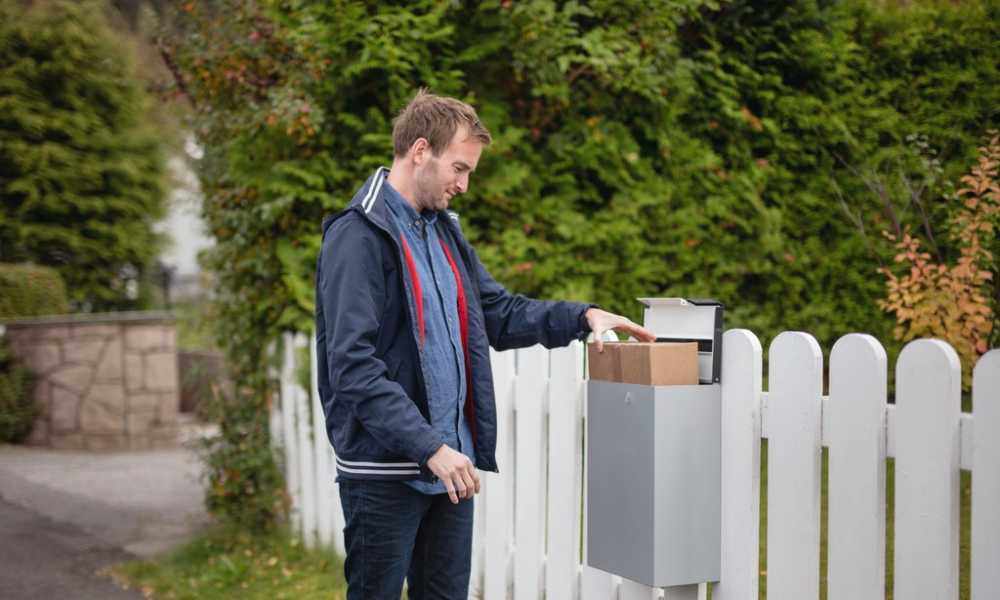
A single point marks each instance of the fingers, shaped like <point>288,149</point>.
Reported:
<point>448,485</point>
<point>468,488</point>
<point>640,333</point>
<point>462,483</point>
<point>599,340</point>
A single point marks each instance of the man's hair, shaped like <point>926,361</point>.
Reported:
<point>436,119</point>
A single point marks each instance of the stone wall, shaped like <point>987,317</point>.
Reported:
<point>105,381</point>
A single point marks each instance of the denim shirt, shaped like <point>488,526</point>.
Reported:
<point>442,349</point>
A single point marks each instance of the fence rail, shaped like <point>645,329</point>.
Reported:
<point>528,542</point>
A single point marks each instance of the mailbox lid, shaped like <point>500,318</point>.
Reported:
<point>689,320</point>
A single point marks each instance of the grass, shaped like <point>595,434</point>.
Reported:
<point>224,564</point>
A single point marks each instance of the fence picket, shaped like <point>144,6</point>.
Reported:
<point>741,390</point>
<point>986,479</point>
<point>478,537</point>
<point>531,388</point>
<point>565,462</point>
<point>307,473</point>
<point>794,466</point>
<point>289,432</point>
<point>496,497</point>
<point>928,400</point>
<point>321,457</point>
<point>856,414</point>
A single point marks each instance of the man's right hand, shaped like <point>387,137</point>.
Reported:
<point>456,471</point>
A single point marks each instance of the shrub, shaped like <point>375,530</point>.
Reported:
<point>81,174</point>
<point>17,403</point>
<point>245,486</point>
<point>953,300</point>
<point>28,290</point>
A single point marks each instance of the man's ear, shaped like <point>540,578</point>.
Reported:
<point>420,149</point>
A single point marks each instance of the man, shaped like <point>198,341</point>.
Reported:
<point>405,315</point>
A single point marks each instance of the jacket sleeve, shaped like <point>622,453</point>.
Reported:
<point>351,289</point>
<point>516,321</point>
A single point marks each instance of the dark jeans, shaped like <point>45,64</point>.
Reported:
<point>395,532</point>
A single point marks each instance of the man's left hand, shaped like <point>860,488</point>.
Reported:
<point>601,321</point>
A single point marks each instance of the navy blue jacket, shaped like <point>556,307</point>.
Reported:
<point>371,381</point>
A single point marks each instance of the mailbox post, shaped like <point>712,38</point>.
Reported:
<point>654,461</point>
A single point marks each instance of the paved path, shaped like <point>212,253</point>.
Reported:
<point>65,513</point>
<point>42,559</point>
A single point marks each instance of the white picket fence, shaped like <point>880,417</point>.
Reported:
<point>528,539</point>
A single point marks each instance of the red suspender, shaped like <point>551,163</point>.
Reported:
<point>418,296</point>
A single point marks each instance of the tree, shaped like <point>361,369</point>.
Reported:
<point>81,175</point>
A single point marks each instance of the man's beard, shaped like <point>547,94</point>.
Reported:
<point>429,193</point>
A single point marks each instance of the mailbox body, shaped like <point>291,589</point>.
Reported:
<point>653,481</point>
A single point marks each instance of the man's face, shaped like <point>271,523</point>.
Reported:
<point>441,178</point>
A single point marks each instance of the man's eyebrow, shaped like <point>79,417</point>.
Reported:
<point>464,166</point>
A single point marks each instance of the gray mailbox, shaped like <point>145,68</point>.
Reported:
<point>654,459</point>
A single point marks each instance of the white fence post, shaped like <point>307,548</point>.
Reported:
<point>928,400</point>
<point>985,573</point>
<point>531,391</point>
<point>307,473</point>
<point>325,489</point>
<point>742,371</point>
<point>856,411</point>
<point>289,432</point>
<point>497,497</point>
<point>794,466</point>
<point>565,463</point>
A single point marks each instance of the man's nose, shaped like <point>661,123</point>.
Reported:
<point>463,183</point>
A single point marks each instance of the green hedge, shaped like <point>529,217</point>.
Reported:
<point>641,148</point>
<point>17,404</point>
<point>81,171</point>
<point>741,150</point>
<point>28,290</point>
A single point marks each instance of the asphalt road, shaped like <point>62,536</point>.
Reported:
<point>41,559</point>
<point>64,515</point>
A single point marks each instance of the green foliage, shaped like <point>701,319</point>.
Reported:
<point>195,320</point>
<point>955,302</point>
<point>17,403</point>
<point>81,176</point>
<point>245,487</point>
<point>673,147</point>
<point>28,290</point>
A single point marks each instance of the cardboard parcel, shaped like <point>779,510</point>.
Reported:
<point>653,363</point>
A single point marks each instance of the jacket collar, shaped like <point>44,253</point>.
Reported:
<point>371,197</point>
<point>370,200</point>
